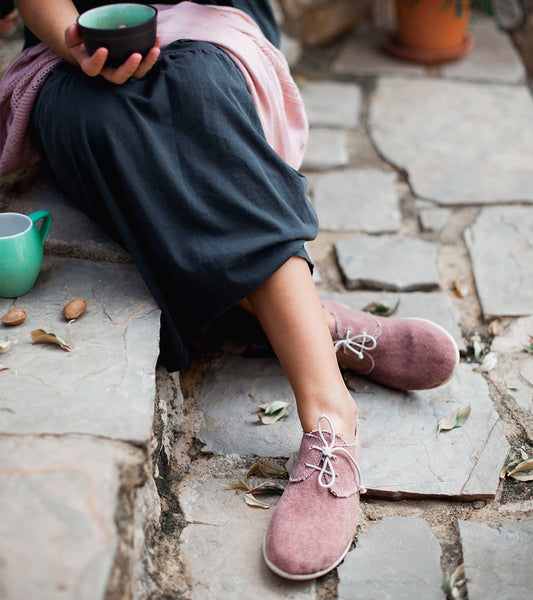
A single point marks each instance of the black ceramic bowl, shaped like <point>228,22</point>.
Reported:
<point>121,28</point>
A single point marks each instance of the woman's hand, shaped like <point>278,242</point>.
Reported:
<point>136,66</point>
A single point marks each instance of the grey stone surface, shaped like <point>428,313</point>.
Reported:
<point>106,385</point>
<point>402,457</point>
<point>332,104</point>
<point>513,375</point>
<point>388,263</point>
<point>357,200</point>
<point>326,149</point>
<point>493,58</point>
<point>435,306</point>
<point>460,142</point>
<point>222,547</point>
<point>396,559</point>
<point>499,243</point>
<point>60,509</point>
<point>434,219</point>
<point>233,388</point>
<point>497,560</point>
<point>362,55</point>
<point>72,232</point>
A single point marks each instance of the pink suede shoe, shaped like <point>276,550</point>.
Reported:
<point>406,354</point>
<point>316,518</point>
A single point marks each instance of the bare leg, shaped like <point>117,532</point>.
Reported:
<point>290,312</point>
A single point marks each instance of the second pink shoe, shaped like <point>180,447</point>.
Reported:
<point>406,354</point>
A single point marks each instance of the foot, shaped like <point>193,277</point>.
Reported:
<point>316,518</point>
<point>406,354</point>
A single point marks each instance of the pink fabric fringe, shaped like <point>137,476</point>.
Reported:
<point>265,70</point>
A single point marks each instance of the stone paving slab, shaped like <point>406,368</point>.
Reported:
<point>434,306</point>
<point>332,104</point>
<point>513,375</point>
<point>499,243</point>
<point>460,142</point>
<point>105,386</point>
<point>398,558</point>
<point>357,200</point>
<point>362,55</point>
<point>497,560</point>
<point>388,263</point>
<point>222,545</point>
<point>493,58</point>
<point>434,219</point>
<point>402,457</point>
<point>60,504</point>
<point>74,233</point>
<point>326,149</point>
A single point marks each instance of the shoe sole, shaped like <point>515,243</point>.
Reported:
<point>306,576</point>
<point>449,336</point>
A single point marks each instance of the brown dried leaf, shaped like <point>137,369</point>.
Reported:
<point>455,419</point>
<point>267,468</point>
<point>495,327</point>
<point>2,368</point>
<point>523,471</point>
<point>506,470</point>
<point>251,500</point>
<point>268,488</point>
<point>460,288</point>
<point>40,336</point>
<point>239,485</point>
<point>289,465</point>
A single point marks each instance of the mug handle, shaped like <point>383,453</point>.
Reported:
<point>45,225</point>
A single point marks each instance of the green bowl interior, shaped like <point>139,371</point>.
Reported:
<point>114,16</point>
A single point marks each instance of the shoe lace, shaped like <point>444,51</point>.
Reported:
<point>356,343</point>
<point>328,451</point>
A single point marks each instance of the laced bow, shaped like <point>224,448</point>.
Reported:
<point>356,343</point>
<point>328,451</point>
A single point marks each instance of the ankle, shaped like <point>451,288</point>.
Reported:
<point>340,409</point>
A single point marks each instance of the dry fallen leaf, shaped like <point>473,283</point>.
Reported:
<point>382,310</point>
<point>495,327</point>
<point>460,288</point>
<point>2,368</point>
<point>488,363</point>
<point>251,500</point>
<point>455,419</point>
<point>523,471</point>
<point>268,468</point>
<point>40,336</point>
<point>505,471</point>
<point>289,465</point>
<point>272,411</point>
<point>5,345</point>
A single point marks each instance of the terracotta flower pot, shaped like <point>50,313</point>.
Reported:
<point>430,31</point>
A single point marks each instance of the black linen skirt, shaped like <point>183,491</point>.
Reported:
<point>176,167</point>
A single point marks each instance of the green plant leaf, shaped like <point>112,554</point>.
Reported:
<point>488,363</point>
<point>455,419</point>
<point>272,411</point>
<point>529,347</point>
<point>454,586</point>
<point>382,310</point>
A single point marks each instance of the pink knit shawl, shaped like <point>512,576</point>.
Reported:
<point>265,70</point>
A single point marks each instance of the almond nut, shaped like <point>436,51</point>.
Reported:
<point>74,309</point>
<point>14,317</point>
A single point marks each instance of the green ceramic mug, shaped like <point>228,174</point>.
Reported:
<point>21,251</point>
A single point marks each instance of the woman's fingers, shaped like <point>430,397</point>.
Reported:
<point>93,65</point>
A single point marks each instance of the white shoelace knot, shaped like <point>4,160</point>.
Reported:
<point>356,343</point>
<point>328,451</point>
